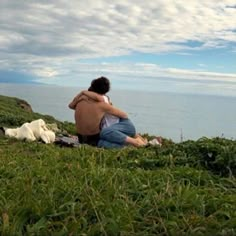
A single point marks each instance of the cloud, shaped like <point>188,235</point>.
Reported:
<point>50,38</point>
<point>91,29</point>
<point>45,72</point>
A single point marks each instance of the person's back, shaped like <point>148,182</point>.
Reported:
<point>88,115</point>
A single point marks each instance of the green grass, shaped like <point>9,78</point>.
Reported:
<point>13,115</point>
<point>187,188</point>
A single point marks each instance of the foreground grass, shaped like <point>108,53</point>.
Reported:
<point>179,189</point>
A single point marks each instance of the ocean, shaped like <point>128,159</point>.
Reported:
<point>171,115</point>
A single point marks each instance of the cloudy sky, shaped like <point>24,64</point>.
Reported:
<point>159,45</point>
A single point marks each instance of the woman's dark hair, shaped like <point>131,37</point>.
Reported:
<point>100,85</point>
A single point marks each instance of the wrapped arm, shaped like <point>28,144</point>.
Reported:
<point>85,95</point>
<point>94,96</point>
<point>78,98</point>
<point>114,111</point>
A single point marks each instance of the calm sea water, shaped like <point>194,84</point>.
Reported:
<point>167,114</point>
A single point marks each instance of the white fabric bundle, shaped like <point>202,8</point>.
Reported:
<point>36,129</point>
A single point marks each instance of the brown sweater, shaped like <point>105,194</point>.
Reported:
<point>89,113</point>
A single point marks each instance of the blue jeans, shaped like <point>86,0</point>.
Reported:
<point>114,136</point>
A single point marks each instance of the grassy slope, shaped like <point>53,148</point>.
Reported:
<point>12,115</point>
<point>178,189</point>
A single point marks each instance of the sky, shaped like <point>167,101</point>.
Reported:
<point>159,45</point>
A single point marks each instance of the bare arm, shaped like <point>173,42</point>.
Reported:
<point>73,103</point>
<point>85,95</point>
<point>77,98</point>
<point>93,95</point>
<point>114,111</point>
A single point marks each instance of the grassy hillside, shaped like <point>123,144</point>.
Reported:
<point>187,188</point>
<point>14,112</point>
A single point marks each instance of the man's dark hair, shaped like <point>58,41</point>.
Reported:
<point>100,85</point>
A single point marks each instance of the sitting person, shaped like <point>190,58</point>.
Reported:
<point>89,114</point>
<point>108,119</point>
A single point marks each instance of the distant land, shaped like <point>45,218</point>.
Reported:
<point>16,77</point>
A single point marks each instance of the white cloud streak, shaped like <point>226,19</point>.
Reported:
<point>132,73</point>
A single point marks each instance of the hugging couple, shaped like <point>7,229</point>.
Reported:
<point>100,124</point>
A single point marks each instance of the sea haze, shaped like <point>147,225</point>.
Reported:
<point>171,115</point>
